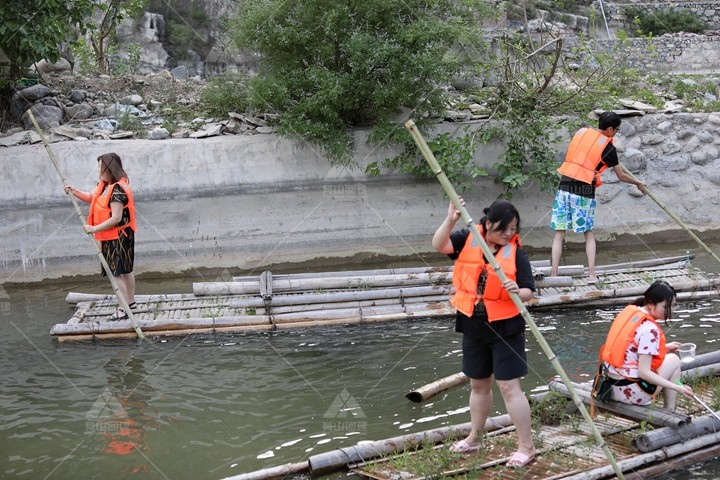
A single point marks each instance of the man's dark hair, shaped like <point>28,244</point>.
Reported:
<point>609,119</point>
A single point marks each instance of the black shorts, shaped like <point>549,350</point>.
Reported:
<point>503,356</point>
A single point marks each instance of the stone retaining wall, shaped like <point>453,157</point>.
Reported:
<point>239,202</point>
<point>676,53</point>
<point>708,11</point>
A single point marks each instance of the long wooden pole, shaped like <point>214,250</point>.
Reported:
<point>121,298</point>
<point>673,216</point>
<point>450,190</point>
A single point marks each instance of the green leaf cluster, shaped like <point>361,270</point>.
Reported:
<point>32,31</point>
<point>328,65</point>
<point>666,20</point>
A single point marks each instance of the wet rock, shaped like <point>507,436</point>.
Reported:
<point>46,116</point>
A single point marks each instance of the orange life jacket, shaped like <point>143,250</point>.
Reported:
<point>468,267</point>
<point>100,210</point>
<point>584,155</point>
<point>622,335</point>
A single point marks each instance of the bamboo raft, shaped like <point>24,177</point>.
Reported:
<point>645,441</point>
<point>269,302</point>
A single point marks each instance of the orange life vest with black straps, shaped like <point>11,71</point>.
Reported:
<point>622,335</point>
<point>584,155</point>
<point>468,267</point>
<point>100,209</point>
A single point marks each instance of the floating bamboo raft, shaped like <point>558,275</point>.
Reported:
<point>268,302</point>
<point>645,442</point>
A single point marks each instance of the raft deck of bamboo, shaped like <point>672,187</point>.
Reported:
<point>268,302</point>
<point>645,442</point>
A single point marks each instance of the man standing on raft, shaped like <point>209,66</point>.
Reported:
<point>589,154</point>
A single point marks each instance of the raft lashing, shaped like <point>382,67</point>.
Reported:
<point>269,302</point>
<point>645,441</point>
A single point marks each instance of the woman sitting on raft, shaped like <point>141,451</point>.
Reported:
<point>636,363</point>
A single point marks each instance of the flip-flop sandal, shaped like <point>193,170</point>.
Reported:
<point>463,447</point>
<point>119,314</point>
<point>519,460</point>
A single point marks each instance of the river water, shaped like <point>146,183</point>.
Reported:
<point>208,407</point>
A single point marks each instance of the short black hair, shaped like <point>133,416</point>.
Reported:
<point>609,119</point>
<point>501,212</point>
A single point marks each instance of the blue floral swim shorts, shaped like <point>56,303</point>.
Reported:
<point>572,211</point>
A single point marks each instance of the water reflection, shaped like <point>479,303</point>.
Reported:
<point>213,406</point>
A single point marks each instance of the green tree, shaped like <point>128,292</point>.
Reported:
<point>328,65</point>
<point>109,15</point>
<point>32,31</point>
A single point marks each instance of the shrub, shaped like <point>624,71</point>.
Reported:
<point>328,65</point>
<point>659,22</point>
<point>223,94</point>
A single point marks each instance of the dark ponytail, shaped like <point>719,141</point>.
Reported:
<point>656,293</point>
<point>501,212</point>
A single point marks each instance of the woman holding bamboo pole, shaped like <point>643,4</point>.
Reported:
<point>493,328</point>
<point>112,221</point>
<point>636,363</point>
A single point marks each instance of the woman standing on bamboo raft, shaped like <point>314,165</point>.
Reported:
<point>112,221</point>
<point>493,329</point>
<point>636,363</point>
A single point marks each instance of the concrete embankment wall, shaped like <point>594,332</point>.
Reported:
<point>245,203</point>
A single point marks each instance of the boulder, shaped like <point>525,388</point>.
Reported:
<point>158,133</point>
<point>77,96</point>
<point>18,105</point>
<point>36,92</point>
<point>47,117</point>
<point>134,100</point>
<point>634,160</point>
<point>82,111</point>
<point>180,72</point>
<point>43,66</point>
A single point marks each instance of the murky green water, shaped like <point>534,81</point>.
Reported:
<point>208,407</point>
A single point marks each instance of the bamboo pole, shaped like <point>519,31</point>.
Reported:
<point>283,471</point>
<point>661,455</point>
<point>690,458</point>
<point>447,186</point>
<point>653,415</point>
<point>673,216</point>
<point>106,267</point>
<point>336,459</point>
<point>431,389</point>
<point>662,437</point>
